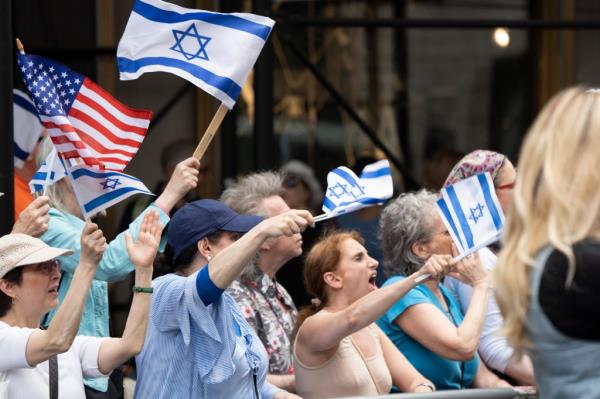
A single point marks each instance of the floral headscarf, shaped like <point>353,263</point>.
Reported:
<point>478,161</point>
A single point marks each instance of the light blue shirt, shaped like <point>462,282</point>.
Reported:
<point>444,373</point>
<point>64,231</point>
<point>197,351</point>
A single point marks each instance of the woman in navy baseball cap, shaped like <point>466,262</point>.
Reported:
<point>198,344</point>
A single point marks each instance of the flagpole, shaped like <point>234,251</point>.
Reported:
<point>210,132</point>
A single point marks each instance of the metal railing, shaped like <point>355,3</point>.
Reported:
<point>495,393</point>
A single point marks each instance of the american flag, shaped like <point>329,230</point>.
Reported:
<point>82,119</point>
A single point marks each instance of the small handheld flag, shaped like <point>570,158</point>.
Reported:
<point>82,119</point>
<point>347,192</point>
<point>471,212</point>
<point>97,190</point>
<point>50,171</point>
<point>27,127</point>
<point>212,50</point>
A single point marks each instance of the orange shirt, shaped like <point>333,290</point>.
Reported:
<point>22,196</point>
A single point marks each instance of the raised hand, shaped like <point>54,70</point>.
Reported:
<point>143,250</point>
<point>288,223</point>
<point>93,244</point>
<point>184,179</point>
<point>34,219</point>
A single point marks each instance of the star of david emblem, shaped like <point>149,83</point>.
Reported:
<point>190,43</point>
<point>111,183</point>
<point>476,213</point>
<point>338,190</point>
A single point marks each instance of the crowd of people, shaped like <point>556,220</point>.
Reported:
<point>218,324</point>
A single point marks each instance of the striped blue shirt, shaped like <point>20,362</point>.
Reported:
<point>197,351</point>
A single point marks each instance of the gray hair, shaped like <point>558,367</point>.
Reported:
<point>246,195</point>
<point>55,192</point>
<point>406,220</point>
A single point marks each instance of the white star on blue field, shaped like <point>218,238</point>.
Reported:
<point>194,47</point>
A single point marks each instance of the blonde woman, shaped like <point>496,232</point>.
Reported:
<point>547,274</point>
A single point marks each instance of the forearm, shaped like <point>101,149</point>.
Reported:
<point>117,351</point>
<point>372,306</point>
<point>283,381</point>
<point>521,370</point>
<point>230,262</point>
<point>470,329</point>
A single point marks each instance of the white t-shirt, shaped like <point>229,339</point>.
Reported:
<point>24,381</point>
<point>493,348</point>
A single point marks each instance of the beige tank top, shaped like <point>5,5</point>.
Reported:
<point>346,373</point>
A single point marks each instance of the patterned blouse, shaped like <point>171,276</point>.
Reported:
<point>269,309</point>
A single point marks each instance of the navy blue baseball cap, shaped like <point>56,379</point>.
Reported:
<point>199,219</point>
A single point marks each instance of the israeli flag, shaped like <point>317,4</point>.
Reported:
<point>27,127</point>
<point>212,50</point>
<point>347,192</point>
<point>97,190</point>
<point>50,171</point>
<point>471,212</point>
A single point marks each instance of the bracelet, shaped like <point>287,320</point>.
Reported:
<point>428,385</point>
<point>145,290</point>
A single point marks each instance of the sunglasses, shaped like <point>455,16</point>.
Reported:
<point>48,267</point>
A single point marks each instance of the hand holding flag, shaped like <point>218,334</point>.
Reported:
<point>472,214</point>
<point>347,192</point>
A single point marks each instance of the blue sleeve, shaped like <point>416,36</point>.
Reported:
<point>269,390</point>
<point>207,290</point>
<point>64,231</point>
<point>413,297</point>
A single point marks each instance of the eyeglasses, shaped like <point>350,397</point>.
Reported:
<point>48,267</point>
<point>508,186</point>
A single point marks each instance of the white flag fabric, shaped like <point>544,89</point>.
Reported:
<point>212,50</point>
<point>53,165</point>
<point>347,192</point>
<point>471,212</point>
<point>97,190</point>
<point>27,127</point>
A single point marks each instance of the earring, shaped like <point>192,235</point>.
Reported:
<point>208,257</point>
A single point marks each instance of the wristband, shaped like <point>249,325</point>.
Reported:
<point>144,290</point>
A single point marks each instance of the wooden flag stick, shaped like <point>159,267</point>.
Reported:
<point>210,132</point>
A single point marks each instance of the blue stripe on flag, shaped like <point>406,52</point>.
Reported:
<point>156,14</point>
<point>464,224</point>
<point>224,84</point>
<point>42,176</point>
<point>376,173</point>
<point>19,152</point>
<point>364,200</point>
<point>327,203</point>
<point>99,201</point>
<point>77,173</point>
<point>444,208</point>
<point>489,201</point>
<point>26,105</point>
<point>345,175</point>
